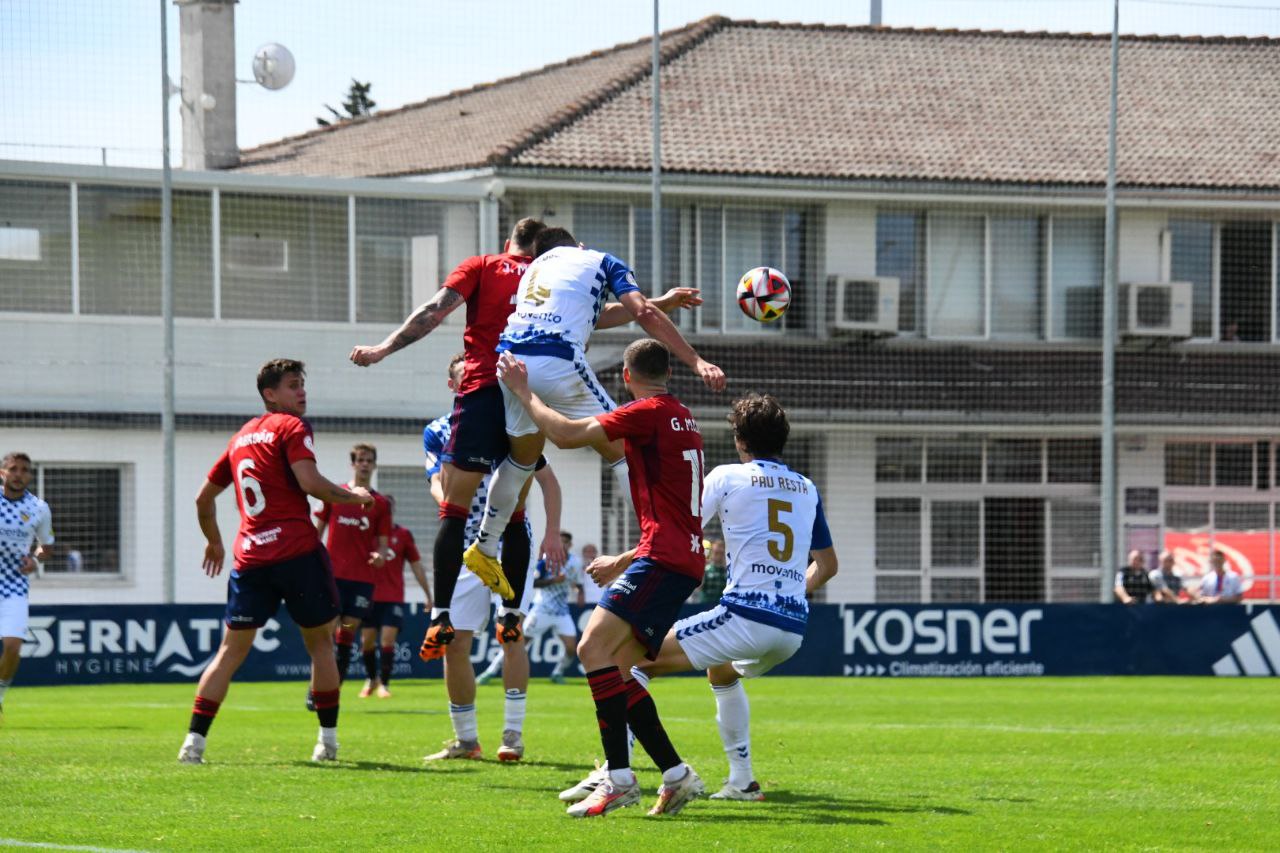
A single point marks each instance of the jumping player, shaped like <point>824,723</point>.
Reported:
<point>23,518</point>
<point>773,524</point>
<point>278,555</point>
<point>561,300</point>
<point>378,636</point>
<point>664,450</point>
<point>358,547</point>
<point>488,284</point>
<point>471,615</point>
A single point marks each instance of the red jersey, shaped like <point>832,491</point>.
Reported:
<point>275,518</point>
<point>488,283</point>
<point>388,581</point>
<point>664,455</point>
<point>352,535</point>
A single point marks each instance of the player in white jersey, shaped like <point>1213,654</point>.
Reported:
<point>470,613</point>
<point>551,591</point>
<point>558,305</point>
<point>23,518</point>
<point>773,526</point>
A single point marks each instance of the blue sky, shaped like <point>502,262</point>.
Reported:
<point>77,76</point>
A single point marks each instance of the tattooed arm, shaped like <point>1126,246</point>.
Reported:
<point>417,325</point>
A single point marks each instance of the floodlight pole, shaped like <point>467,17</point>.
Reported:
<point>1110,521</point>
<point>656,224</point>
<point>166,308</point>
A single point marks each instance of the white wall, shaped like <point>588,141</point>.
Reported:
<point>848,499</point>
<point>1138,236</point>
<point>851,239</point>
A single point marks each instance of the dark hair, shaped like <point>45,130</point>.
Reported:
<point>648,359</point>
<point>453,362</point>
<point>14,456</point>
<point>525,231</point>
<point>552,238</point>
<point>564,534</point>
<point>273,372</point>
<point>760,423</point>
<point>367,448</point>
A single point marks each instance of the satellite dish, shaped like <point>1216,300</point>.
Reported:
<point>273,66</point>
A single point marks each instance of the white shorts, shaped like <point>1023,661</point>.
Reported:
<point>472,601</point>
<point>569,387</point>
<point>13,616</point>
<point>717,636</point>
<point>540,622</point>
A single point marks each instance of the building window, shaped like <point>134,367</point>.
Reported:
<point>1017,274</point>
<point>1014,460</point>
<point>898,460</point>
<point>416,510</point>
<point>900,254</point>
<point>1076,542</point>
<point>954,460</point>
<point>1076,275</point>
<point>35,270</point>
<point>956,294</point>
<point>1191,259</point>
<point>898,534</point>
<point>88,508</point>
<point>1187,463</point>
<point>1244,282</point>
<point>1075,460</point>
<point>954,534</point>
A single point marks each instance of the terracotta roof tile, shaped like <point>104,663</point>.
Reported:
<point>747,98</point>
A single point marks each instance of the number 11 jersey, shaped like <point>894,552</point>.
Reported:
<point>275,518</point>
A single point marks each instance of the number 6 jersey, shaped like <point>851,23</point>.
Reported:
<point>275,518</point>
<point>772,518</point>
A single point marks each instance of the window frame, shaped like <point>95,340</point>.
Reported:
<point>123,518</point>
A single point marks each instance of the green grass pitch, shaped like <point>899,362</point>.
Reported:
<point>1135,764</point>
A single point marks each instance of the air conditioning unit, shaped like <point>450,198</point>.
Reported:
<point>867,304</point>
<point>1159,309</point>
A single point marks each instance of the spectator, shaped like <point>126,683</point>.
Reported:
<point>1166,584</point>
<point>591,591</point>
<point>1133,585</point>
<point>715,575</point>
<point>1221,585</point>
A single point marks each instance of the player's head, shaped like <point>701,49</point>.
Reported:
<point>552,238</point>
<point>717,552</point>
<point>15,472</point>
<point>1166,560</point>
<point>760,426</point>
<point>457,366</point>
<point>1136,560</point>
<point>566,539</point>
<point>1217,560</point>
<point>589,553</point>
<point>523,234</point>
<point>282,384</point>
<point>364,459</point>
<point>646,363</point>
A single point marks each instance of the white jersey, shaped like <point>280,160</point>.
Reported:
<point>772,518</point>
<point>553,600</point>
<point>21,521</point>
<point>559,301</point>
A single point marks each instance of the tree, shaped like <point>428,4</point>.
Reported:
<point>357,105</point>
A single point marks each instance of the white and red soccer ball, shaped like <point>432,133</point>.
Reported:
<point>764,294</point>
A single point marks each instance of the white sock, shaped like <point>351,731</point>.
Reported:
<point>513,710</point>
<point>463,718</point>
<point>733,716</point>
<point>675,774</point>
<point>4,687</point>
<point>622,477</point>
<point>436,611</point>
<point>504,493</point>
<point>622,777</point>
<point>329,737</point>
<point>640,676</point>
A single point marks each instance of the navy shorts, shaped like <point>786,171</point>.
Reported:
<point>648,598</point>
<point>386,614</point>
<point>355,598</point>
<point>477,430</point>
<point>304,584</point>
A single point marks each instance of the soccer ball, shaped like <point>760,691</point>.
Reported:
<point>764,294</point>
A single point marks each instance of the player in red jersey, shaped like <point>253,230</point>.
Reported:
<point>357,544</point>
<point>649,584</point>
<point>278,556</point>
<point>378,637</point>
<point>478,438</point>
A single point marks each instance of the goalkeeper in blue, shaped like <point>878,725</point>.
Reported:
<point>779,552</point>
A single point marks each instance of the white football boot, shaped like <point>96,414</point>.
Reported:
<point>583,789</point>
<point>192,751</point>
<point>675,796</point>
<point>752,793</point>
